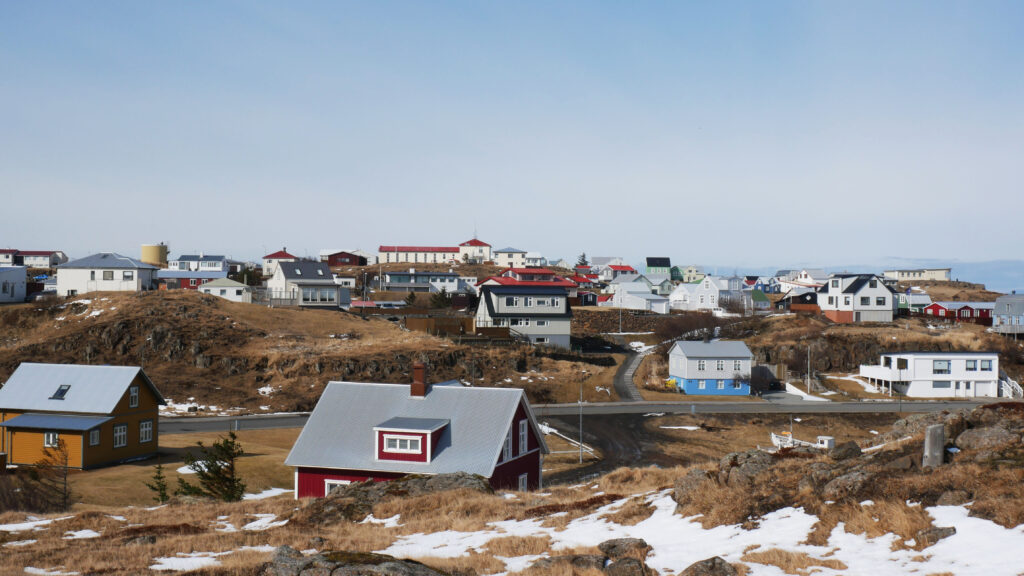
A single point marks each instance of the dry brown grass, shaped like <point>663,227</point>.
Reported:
<point>461,510</point>
<point>797,563</point>
<point>887,517</point>
<point>472,563</point>
<point>633,480</point>
<point>634,511</point>
<point>512,546</point>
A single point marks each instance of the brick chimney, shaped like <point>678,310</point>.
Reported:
<point>419,385</point>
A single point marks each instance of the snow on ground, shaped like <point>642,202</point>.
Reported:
<point>32,523</point>
<point>803,395</point>
<point>387,522</point>
<point>264,522</point>
<point>979,548</point>
<point>17,543</point>
<point>183,562</point>
<point>80,534</point>
<point>221,524</point>
<point>265,390</point>
<point>867,387</point>
<point>268,493</point>
<point>45,572</point>
<point>690,428</point>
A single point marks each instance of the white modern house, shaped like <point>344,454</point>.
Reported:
<point>538,313</point>
<point>918,274</point>
<point>307,284</point>
<point>12,284</point>
<point>857,298</point>
<point>228,289</point>
<point>510,257</point>
<point>536,259</point>
<point>199,263</point>
<point>638,296</point>
<point>940,375</point>
<point>105,272</point>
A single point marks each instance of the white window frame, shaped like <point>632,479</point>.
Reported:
<point>399,438</point>
<point>524,443</point>
<point>524,482</point>
<point>720,365</point>
<point>51,439</point>
<point>737,365</point>
<point>120,435</point>
<point>720,385</point>
<point>145,431</point>
<point>506,450</point>
<point>972,366</point>
<point>94,437</point>
<point>702,365</point>
<point>701,384</point>
<point>328,484</point>
<point>986,366</point>
<point>133,396</point>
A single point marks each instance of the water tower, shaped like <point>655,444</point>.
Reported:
<point>155,254</point>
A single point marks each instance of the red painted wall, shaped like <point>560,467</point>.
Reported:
<point>311,480</point>
<point>345,259</point>
<point>506,474</point>
<point>382,455</point>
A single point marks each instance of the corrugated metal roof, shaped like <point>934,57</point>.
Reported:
<point>225,283</point>
<point>419,424</point>
<point>509,250</point>
<point>306,271</point>
<point>200,274</point>
<point>717,349</point>
<point>339,432</point>
<point>56,422</point>
<point>199,258</point>
<point>110,260</point>
<point>94,389</point>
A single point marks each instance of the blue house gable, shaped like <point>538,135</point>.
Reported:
<point>711,368</point>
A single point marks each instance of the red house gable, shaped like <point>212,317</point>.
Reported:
<point>474,242</point>
<point>279,255</point>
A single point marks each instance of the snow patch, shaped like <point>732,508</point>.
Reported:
<point>690,428</point>
<point>263,522</point>
<point>80,534</point>
<point>268,493</point>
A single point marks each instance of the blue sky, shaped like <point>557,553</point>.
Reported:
<point>723,133</point>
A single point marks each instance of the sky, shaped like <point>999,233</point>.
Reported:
<point>732,134</point>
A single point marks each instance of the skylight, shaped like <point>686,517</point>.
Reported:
<point>61,391</point>
<point>298,271</point>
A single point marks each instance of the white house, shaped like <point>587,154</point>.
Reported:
<point>307,284</point>
<point>720,368</point>
<point>510,257</point>
<point>421,281</point>
<point>857,298</point>
<point>638,296</point>
<point>801,281</point>
<point>32,258</point>
<point>918,274</point>
<point>199,263</point>
<point>228,289</point>
<point>710,293</point>
<point>105,272</point>
<point>1008,314</point>
<point>536,259</point>
<point>12,284</point>
<point>474,251</point>
<point>938,375</point>
<point>538,313</point>
<point>270,261</point>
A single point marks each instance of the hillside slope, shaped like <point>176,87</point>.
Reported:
<point>231,355</point>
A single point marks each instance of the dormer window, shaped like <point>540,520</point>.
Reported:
<point>61,391</point>
<point>402,444</point>
<point>409,439</point>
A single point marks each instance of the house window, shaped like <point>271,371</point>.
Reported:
<point>120,435</point>
<point>192,282</point>
<point>92,274</point>
<point>511,301</point>
<point>736,365</point>
<point>506,450</point>
<point>145,431</point>
<point>940,384</point>
<point>61,391</point>
<point>721,385</point>
<point>901,363</point>
<point>133,396</point>
<point>523,438</point>
<point>940,366</point>
<point>835,283</point>
<point>222,291</point>
<point>556,301</point>
<point>972,365</point>
<point>50,439</point>
<point>865,300</point>
<point>128,275</point>
<point>880,301</point>
<point>702,365</point>
<point>402,444</point>
<point>831,300</point>
<point>528,301</point>
<point>542,322</point>
<point>846,301</point>
<point>720,365</point>
<point>986,365</point>
<point>524,482</point>
<point>238,292</point>
<point>873,284</point>
<point>94,437</point>
<point>701,384</point>
<point>332,484</point>
<point>108,274</point>
<point>542,301</point>
<point>541,340</point>
<point>736,384</point>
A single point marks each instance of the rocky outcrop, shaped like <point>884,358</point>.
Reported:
<point>934,534</point>
<point>690,484</point>
<point>290,562</point>
<point>619,557</point>
<point>986,438</point>
<point>354,502</point>
<point>714,566</point>
<point>845,451</point>
<point>739,468</point>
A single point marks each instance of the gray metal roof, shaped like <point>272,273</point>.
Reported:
<point>94,389</point>
<point>340,431</point>
<point>56,422</point>
<point>108,260</point>
<point>306,271</point>
<point>199,258</point>
<point>1010,304</point>
<point>717,349</point>
<point>418,424</point>
<point>225,283</point>
<point>509,251</point>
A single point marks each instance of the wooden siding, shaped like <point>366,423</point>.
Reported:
<point>4,433</point>
<point>311,480</point>
<point>27,447</point>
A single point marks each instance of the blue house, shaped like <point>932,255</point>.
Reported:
<point>719,368</point>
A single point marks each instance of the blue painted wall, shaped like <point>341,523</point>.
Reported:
<point>691,386</point>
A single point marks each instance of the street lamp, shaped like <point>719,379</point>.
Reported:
<point>581,421</point>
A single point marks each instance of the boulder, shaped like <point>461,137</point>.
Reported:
<point>354,502</point>
<point>571,562</point>
<point>846,486</point>
<point>689,484</point>
<point>714,566</point>
<point>739,468</point>
<point>626,567</point>
<point>986,438</point>
<point>624,548</point>
<point>901,463</point>
<point>934,534</point>
<point>845,451</point>
<point>287,561</point>
<point>983,416</point>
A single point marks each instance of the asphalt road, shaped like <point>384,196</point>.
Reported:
<point>185,424</point>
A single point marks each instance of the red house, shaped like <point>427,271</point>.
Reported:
<point>974,312</point>
<point>344,259</point>
<point>364,431</point>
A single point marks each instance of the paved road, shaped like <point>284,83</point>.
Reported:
<point>624,385</point>
<point>608,408</point>
<point>186,424</point>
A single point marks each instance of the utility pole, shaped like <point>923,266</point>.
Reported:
<point>808,368</point>
<point>581,421</point>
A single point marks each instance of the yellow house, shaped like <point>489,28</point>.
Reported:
<point>102,414</point>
